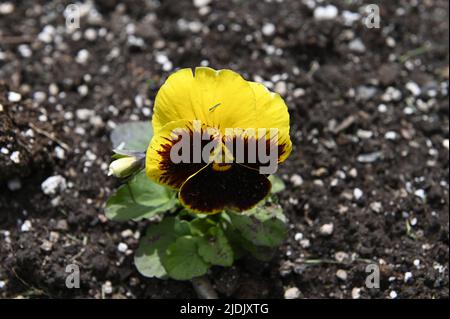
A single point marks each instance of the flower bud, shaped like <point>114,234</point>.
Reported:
<point>124,166</point>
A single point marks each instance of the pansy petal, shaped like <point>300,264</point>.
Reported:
<point>219,99</point>
<point>164,162</point>
<point>272,112</point>
<point>226,186</point>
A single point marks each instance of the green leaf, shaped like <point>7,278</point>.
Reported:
<point>241,246</point>
<point>201,226</point>
<point>182,261</point>
<point>132,136</point>
<point>215,249</point>
<point>154,244</point>
<point>262,226</point>
<point>277,184</point>
<point>139,198</point>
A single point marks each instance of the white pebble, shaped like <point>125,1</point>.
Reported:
<point>357,45</point>
<point>393,294</point>
<point>408,276</point>
<point>391,135</point>
<point>298,236</point>
<point>268,29</point>
<point>357,193</point>
<point>84,114</point>
<point>420,193</point>
<point>26,226</point>
<point>350,17</point>
<point>413,88</point>
<point>445,143</point>
<point>296,180</point>
<point>15,157</point>
<point>292,293</point>
<point>342,274</point>
<point>363,134</point>
<point>201,3</point>
<point>6,8</point>
<point>305,243</point>
<point>25,50</point>
<point>60,153</point>
<point>107,288</point>
<point>326,229</point>
<point>416,262</point>
<point>328,12</point>
<point>14,97</point>
<point>377,207</point>
<point>53,185</point>
<point>2,284</point>
<point>126,233</point>
<point>122,247</point>
<point>356,293</point>
<point>82,56</point>
<point>382,108</point>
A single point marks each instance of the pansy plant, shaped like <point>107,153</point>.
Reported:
<point>203,172</point>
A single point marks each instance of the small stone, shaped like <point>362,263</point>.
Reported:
<point>14,97</point>
<point>296,180</point>
<point>201,3</point>
<point>126,233</point>
<point>14,184</point>
<point>83,90</point>
<point>82,56</point>
<point>391,94</point>
<point>353,173</point>
<point>305,243</point>
<point>393,294</point>
<point>298,236</point>
<point>363,134</point>
<point>15,157</point>
<point>122,247</point>
<point>420,193</point>
<point>107,287</point>
<point>369,158</point>
<point>377,207</point>
<point>53,185</point>
<point>60,153</point>
<point>445,143</point>
<point>84,114</point>
<point>391,135</point>
<point>350,17</point>
<point>357,193</point>
<point>408,276</point>
<point>39,96</point>
<point>46,245</point>
<point>326,229</point>
<point>90,34</point>
<point>328,12</point>
<point>62,225</point>
<point>341,256</point>
<point>2,284</point>
<point>342,274</point>
<point>281,88</point>
<point>6,8</point>
<point>26,226</point>
<point>25,51</point>
<point>416,262</point>
<point>382,108</point>
<point>268,29</point>
<point>298,92</point>
<point>356,293</point>
<point>414,88</point>
<point>357,46</point>
<point>292,293</point>
<point>53,237</point>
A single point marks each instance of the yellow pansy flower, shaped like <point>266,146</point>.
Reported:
<point>221,107</point>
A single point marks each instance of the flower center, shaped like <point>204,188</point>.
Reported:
<point>221,167</point>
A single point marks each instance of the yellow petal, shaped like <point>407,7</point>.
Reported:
<point>220,99</point>
<point>273,113</point>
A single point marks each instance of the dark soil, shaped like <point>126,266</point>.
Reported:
<point>345,100</point>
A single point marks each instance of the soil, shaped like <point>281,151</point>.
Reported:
<point>351,91</point>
